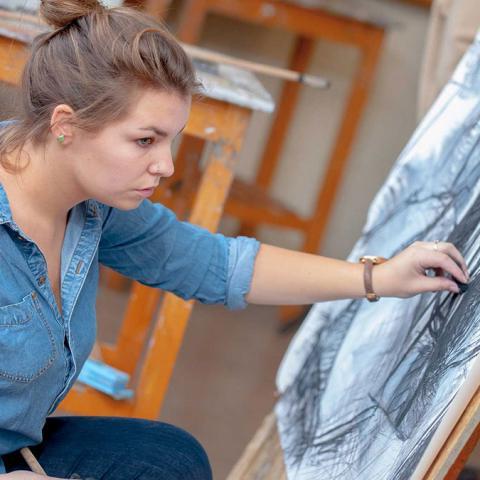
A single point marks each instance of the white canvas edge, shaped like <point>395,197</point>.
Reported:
<point>449,421</point>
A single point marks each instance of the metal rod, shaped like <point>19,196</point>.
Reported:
<point>290,75</point>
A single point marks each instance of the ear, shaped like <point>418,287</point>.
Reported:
<point>61,122</point>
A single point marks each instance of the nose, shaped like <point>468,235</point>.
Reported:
<point>162,165</point>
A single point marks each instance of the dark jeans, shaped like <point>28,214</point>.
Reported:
<point>113,448</point>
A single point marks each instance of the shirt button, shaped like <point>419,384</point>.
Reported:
<point>79,267</point>
<point>34,295</point>
<point>41,280</point>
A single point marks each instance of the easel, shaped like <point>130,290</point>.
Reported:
<point>251,202</point>
<point>263,456</point>
<point>221,123</point>
<point>459,445</point>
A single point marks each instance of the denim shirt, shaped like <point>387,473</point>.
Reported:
<point>41,350</point>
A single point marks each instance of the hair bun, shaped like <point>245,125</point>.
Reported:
<point>59,13</point>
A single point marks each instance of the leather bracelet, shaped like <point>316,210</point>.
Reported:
<point>369,261</point>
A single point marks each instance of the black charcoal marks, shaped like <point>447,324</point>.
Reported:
<point>364,386</point>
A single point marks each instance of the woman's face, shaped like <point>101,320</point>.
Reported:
<point>125,161</point>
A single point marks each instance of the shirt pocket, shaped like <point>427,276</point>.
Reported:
<point>27,345</point>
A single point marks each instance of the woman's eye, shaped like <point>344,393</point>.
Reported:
<point>144,142</point>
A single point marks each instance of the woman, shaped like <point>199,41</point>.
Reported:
<point>104,95</point>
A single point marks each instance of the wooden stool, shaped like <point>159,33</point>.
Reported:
<point>263,456</point>
<point>223,125</point>
<point>249,202</point>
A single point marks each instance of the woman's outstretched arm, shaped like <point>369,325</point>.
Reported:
<point>286,277</point>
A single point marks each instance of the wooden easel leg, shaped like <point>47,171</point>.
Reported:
<point>135,325</point>
<point>144,300</point>
<point>173,317</point>
<point>291,316</point>
<point>299,61</point>
<point>156,8</point>
<point>161,356</point>
<point>187,164</point>
<point>458,446</point>
<point>262,459</point>
<point>351,118</point>
<point>115,280</point>
<point>462,458</point>
<point>182,184</point>
<point>192,20</point>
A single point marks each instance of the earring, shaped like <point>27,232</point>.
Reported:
<point>61,138</point>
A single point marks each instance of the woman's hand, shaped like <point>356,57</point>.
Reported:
<point>26,475</point>
<point>404,275</point>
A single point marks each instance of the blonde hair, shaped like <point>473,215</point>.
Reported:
<point>94,60</point>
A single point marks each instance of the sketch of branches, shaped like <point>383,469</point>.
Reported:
<point>364,386</point>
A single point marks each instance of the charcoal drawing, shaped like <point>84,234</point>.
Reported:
<point>364,386</point>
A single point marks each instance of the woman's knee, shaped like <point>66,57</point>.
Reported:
<point>187,456</point>
<point>145,448</point>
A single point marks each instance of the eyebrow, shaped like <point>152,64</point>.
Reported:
<point>160,133</point>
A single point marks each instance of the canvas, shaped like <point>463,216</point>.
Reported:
<point>365,385</point>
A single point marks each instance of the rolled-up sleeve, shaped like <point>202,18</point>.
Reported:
<point>150,245</point>
<point>241,261</point>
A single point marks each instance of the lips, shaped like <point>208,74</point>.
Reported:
<point>146,192</point>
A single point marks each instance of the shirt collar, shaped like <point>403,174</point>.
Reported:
<point>5,211</point>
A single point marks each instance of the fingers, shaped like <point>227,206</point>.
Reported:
<point>437,259</point>
<point>441,284</point>
<point>451,250</point>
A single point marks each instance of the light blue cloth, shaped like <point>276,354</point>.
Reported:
<point>41,351</point>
